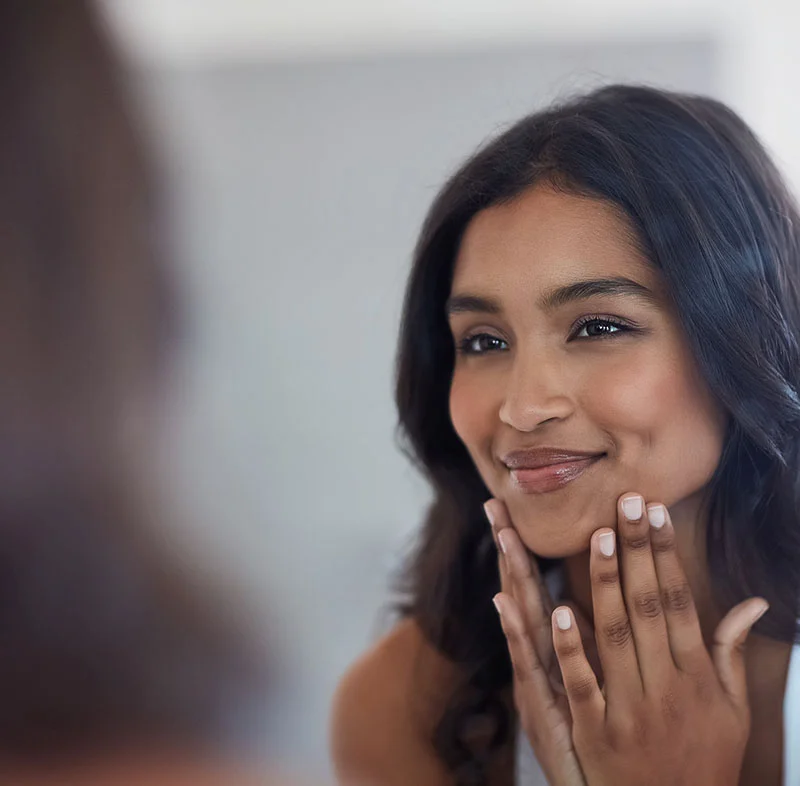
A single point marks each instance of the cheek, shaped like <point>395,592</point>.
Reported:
<point>473,412</point>
<point>464,410</point>
<point>668,429</point>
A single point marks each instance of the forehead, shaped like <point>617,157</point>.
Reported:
<point>544,238</point>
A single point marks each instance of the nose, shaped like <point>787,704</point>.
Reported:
<point>536,392</point>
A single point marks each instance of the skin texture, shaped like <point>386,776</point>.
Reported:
<point>634,395</point>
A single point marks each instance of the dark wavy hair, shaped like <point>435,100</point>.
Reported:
<point>711,212</point>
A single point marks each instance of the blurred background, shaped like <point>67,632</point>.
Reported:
<point>302,143</point>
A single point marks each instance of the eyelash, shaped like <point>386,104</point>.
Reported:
<point>463,347</point>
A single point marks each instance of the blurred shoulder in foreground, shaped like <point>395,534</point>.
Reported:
<point>385,711</point>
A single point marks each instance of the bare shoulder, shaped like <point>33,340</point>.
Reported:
<point>385,711</point>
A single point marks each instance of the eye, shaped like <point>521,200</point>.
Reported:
<point>480,344</point>
<point>598,327</point>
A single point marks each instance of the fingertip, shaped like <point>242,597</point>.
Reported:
<point>605,541</point>
<point>498,603</point>
<point>562,618</point>
<point>491,513</point>
<point>631,506</point>
<point>503,539</point>
<point>759,610</point>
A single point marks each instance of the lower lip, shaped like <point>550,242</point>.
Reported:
<point>552,477</point>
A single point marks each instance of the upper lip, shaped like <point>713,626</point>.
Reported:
<point>533,458</point>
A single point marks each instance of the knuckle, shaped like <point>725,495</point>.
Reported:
<point>647,604</point>
<point>641,732</point>
<point>581,689</point>
<point>703,688</point>
<point>619,735</point>
<point>636,541</point>
<point>632,731</point>
<point>513,636</point>
<point>663,542</point>
<point>568,650</point>
<point>677,599</point>
<point>521,673</point>
<point>607,577</point>
<point>671,708</point>
<point>618,632</point>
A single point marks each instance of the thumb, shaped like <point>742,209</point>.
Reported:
<point>728,647</point>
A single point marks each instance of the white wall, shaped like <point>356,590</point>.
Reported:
<point>760,75</point>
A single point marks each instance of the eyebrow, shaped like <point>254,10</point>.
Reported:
<point>558,296</point>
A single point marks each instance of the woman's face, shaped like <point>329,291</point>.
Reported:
<point>548,359</point>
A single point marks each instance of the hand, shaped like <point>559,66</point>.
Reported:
<point>670,712</point>
<point>539,693</point>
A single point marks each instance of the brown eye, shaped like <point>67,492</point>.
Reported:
<point>480,344</point>
<point>598,328</point>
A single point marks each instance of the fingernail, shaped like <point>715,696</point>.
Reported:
<point>498,605</point>
<point>489,515</point>
<point>607,541</point>
<point>760,614</point>
<point>633,507</point>
<point>657,515</point>
<point>502,538</point>
<point>563,619</point>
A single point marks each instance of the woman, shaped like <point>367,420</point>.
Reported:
<point>600,341</point>
<point>117,665</point>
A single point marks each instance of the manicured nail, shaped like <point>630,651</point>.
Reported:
<point>563,619</point>
<point>498,605</point>
<point>760,614</point>
<point>633,507</point>
<point>489,515</point>
<point>502,539</point>
<point>607,541</point>
<point>657,515</point>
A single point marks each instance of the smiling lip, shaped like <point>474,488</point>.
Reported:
<point>547,469</point>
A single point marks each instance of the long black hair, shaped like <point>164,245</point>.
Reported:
<point>711,212</point>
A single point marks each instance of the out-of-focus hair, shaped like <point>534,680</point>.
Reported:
<point>107,640</point>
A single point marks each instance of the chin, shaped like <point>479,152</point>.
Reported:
<point>550,535</point>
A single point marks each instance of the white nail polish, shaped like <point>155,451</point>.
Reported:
<point>657,515</point>
<point>633,507</point>
<point>501,539</point>
<point>563,619</point>
<point>607,542</point>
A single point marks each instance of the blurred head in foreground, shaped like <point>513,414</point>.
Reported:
<point>110,649</point>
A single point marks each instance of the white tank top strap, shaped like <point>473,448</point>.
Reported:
<point>791,721</point>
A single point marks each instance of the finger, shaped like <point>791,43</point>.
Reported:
<point>685,635</point>
<point>728,648</point>
<point>612,627</point>
<point>499,518</point>
<point>642,593</point>
<point>531,682</point>
<point>586,702</point>
<point>494,512</point>
<point>527,593</point>
<point>586,629</point>
<point>502,520</point>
